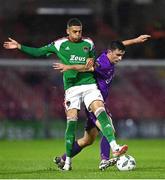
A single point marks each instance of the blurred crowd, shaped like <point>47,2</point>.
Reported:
<point>136,92</point>
<point>127,20</point>
<point>38,30</point>
<point>30,95</point>
<point>37,95</point>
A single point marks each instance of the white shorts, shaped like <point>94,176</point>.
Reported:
<point>74,96</point>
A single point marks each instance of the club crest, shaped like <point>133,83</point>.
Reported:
<point>85,49</point>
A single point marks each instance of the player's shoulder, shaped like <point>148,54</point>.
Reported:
<point>62,39</point>
<point>87,39</point>
<point>57,43</point>
<point>102,58</point>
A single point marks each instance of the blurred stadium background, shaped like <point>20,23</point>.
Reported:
<point>31,92</point>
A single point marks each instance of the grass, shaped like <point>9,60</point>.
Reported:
<point>33,160</point>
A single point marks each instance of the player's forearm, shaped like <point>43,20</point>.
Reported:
<point>80,68</point>
<point>91,69</point>
<point>140,39</point>
<point>130,42</point>
<point>36,52</point>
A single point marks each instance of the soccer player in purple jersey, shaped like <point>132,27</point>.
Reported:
<point>104,68</point>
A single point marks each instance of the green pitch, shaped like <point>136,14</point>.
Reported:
<point>33,159</point>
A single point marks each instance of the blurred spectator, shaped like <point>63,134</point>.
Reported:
<point>120,19</point>
<point>157,31</point>
<point>35,95</point>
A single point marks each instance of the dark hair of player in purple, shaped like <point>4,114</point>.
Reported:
<point>116,45</point>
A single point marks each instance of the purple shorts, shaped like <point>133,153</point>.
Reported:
<point>91,120</point>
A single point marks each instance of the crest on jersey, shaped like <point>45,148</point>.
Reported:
<point>86,49</point>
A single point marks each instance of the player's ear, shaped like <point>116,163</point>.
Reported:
<point>109,51</point>
<point>67,31</point>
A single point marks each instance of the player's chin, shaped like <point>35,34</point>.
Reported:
<point>76,39</point>
<point>115,62</point>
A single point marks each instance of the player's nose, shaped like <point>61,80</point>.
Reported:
<point>120,58</point>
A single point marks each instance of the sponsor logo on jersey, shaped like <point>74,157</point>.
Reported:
<point>85,49</point>
<point>77,58</point>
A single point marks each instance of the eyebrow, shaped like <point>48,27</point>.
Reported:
<point>120,54</point>
<point>77,30</point>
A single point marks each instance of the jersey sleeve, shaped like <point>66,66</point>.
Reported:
<point>37,52</point>
<point>92,52</point>
<point>99,66</point>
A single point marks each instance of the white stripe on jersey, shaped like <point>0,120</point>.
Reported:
<point>58,43</point>
<point>89,41</point>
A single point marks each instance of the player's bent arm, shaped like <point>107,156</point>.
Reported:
<point>139,39</point>
<point>89,66</point>
<point>81,68</point>
<point>64,67</point>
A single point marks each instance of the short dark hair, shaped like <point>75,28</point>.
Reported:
<point>74,22</point>
<point>116,45</point>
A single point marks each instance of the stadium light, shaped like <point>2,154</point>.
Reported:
<point>143,1</point>
<point>62,11</point>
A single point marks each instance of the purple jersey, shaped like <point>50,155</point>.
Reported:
<point>104,73</point>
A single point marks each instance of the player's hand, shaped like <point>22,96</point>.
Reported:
<point>11,44</point>
<point>60,66</point>
<point>89,63</point>
<point>142,38</point>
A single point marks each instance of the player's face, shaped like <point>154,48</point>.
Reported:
<point>75,33</point>
<point>115,56</point>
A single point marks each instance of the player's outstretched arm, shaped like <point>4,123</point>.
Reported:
<point>11,44</point>
<point>81,68</point>
<point>36,52</point>
<point>139,39</point>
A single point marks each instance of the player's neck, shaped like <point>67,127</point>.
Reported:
<point>73,40</point>
<point>109,57</point>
